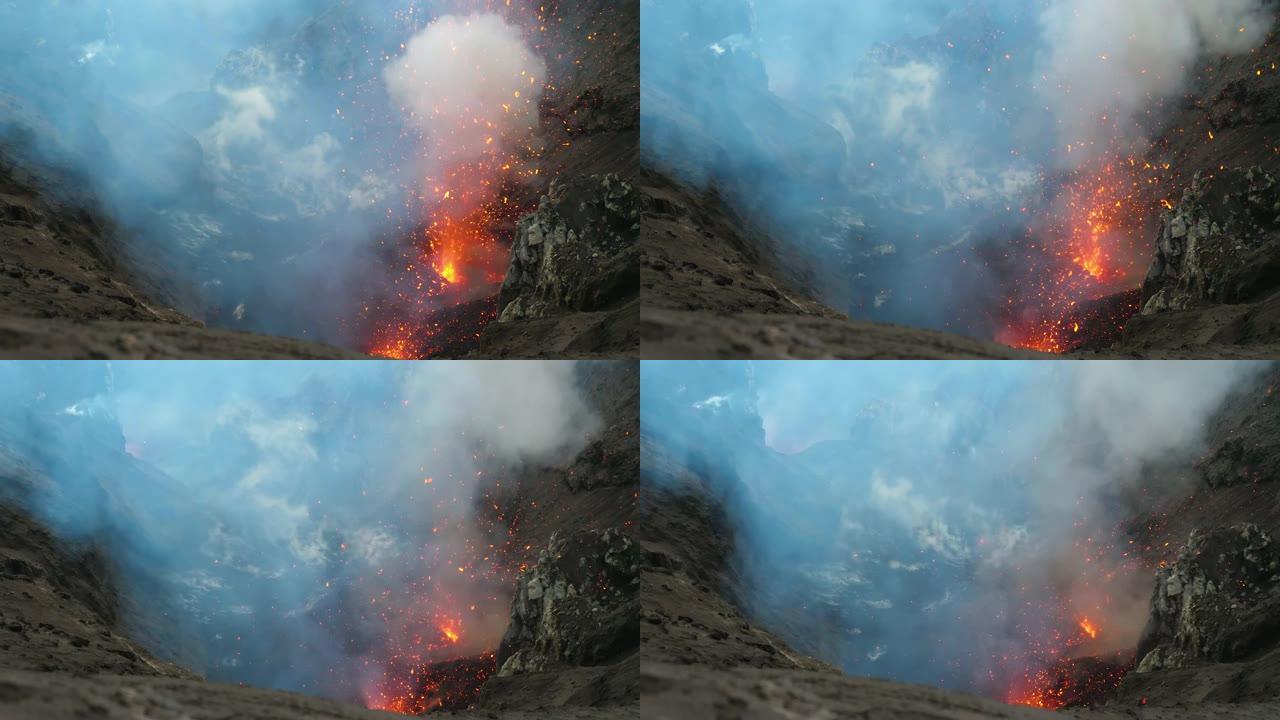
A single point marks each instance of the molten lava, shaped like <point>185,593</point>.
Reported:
<point>443,686</point>
<point>1088,628</point>
<point>1072,682</point>
<point>445,291</point>
<point>438,628</point>
<point>450,631</point>
<point>480,167</point>
<point>1091,246</point>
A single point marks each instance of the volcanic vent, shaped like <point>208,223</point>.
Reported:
<point>967,180</point>
<point>408,581</point>
<point>1148,583</point>
<point>353,172</point>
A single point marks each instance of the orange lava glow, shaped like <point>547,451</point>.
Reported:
<point>1091,246</point>
<point>1088,628</point>
<point>451,265</point>
<point>1039,693</point>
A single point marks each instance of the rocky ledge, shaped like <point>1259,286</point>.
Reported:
<point>576,253</point>
<point>1219,245</point>
<point>576,607</point>
<point>1219,601</point>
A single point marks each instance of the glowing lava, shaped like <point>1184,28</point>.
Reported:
<point>475,114</point>
<point>1091,246</point>
<point>450,631</point>
<point>1088,628</point>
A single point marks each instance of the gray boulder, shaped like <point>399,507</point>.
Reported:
<point>577,253</point>
<point>1217,602</point>
<point>578,606</point>
<point>1219,245</point>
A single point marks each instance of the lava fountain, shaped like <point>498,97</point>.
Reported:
<point>441,627</point>
<point>470,88</point>
<point>1077,623</point>
<point>1087,251</point>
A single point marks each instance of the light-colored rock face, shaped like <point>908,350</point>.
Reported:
<point>1208,604</point>
<point>577,252</point>
<point>579,605</point>
<point>1216,243</point>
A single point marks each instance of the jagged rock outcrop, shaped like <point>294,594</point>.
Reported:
<point>578,606</point>
<point>1219,245</point>
<point>1218,602</point>
<point>1239,461</point>
<point>577,252</point>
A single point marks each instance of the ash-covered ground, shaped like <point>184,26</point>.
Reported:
<point>915,184</point>
<point>90,622</point>
<point>271,185</point>
<point>723,637</point>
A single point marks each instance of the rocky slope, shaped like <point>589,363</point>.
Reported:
<point>67,293</point>
<point>715,289</point>
<point>1212,289</point>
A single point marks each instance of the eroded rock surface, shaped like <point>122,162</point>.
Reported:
<point>1219,245</point>
<point>578,606</point>
<point>577,252</point>
<point>1218,602</point>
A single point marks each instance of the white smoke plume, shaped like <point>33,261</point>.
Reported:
<point>1106,61</point>
<point>473,82</point>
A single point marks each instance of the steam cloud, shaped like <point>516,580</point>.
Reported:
<point>977,506</point>
<point>901,147</point>
<point>1107,59</point>
<point>256,152</point>
<point>300,526</point>
<point>475,75</point>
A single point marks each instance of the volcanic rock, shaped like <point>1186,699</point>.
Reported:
<point>578,606</point>
<point>1219,245</point>
<point>577,252</point>
<point>1239,461</point>
<point>1218,602</point>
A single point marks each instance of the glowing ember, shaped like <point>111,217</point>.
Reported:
<point>441,626</point>
<point>1092,245</point>
<point>444,686</point>
<point>1071,683</point>
<point>480,166</point>
<point>1063,659</point>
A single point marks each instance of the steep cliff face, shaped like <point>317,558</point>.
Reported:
<point>1219,601</point>
<point>573,287</point>
<point>1220,245</point>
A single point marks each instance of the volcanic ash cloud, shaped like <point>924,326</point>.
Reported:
<point>469,83</point>
<point>1105,61</point>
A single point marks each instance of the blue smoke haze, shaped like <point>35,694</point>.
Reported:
<point>907,149</point>
<point>921,521</point>
<point>272,521</point>
<point>251,150</point>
